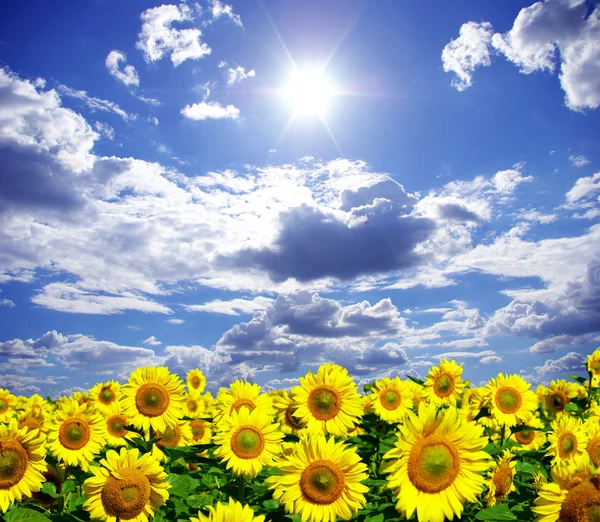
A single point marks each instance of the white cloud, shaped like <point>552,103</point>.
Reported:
<point>535,215</point>
<point>150,101</point>
<point>153,120</point>
<point>469,51</point>
<point>175,321</point>
<point>219,9</point>
<point>491,359</point>
<point>128,75</point>
<point>571,362</point>
<point>232,307</point>
<point>210,110</point>
<point>152,341</point>
<point>584,197</point>
<point>578,161</point>
<point>238,74</point>
<point>95,103</point>
<point>158,38</point>
<point>105,129</point>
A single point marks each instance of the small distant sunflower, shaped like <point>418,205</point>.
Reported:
<point>196,382</point>
<point>114,427</point>
<point>288,423</point>
<point>201,431</point>
<point>555,397</point>
<point>28,419</point>
<point>567,438</point>
<point>574,496</point>
<point>7,403</point>
<point>76,434</point>
<point>196,406</point>
<point>531,439</point>
<point>593,363</point>
<point>178,435</point>
<point>22,463</point>
<point>473,400</point>
<point>500,481</point>
<point>437,464</point>
<point>38,405</point>
<point>242,395</point>
<point>443,384</point>
<point>248,442</point>
<point>83,398</point>
<point>510,399</point>
<point>232,512</point>
<point>126,486</point>
<point>327,402</point>
<point>104,395</point>
<point>391,399</point>
<point>153,398</point>
<point>321,480</point>
<point>593,444</point>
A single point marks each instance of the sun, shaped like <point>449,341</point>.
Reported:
<point>308,91</point>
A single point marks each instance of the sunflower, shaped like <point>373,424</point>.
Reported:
<point>104,395</point>
<point>126,486</point>
<point>7,404</point>
<point>593,444</point>
<point>567,438</point>
<point>83,398</point>
<point>38,406</point>
<point>500,481</point>
<point>321,480</point>
<point>443,384</point>
<point>574,496</point>
<point>593,363</point>
<point>22,463</point>
<point>242,395</point>
<point>196,381</point>
<point>510,399</point>
<point>555,397</point>
<point>232,512</point>
<point>288,423</point>
<point>55,475</point>
<point>32,421</point>
<point>153,398</point>
<point>327,402</point>
<point>530,439</point>
<point>201,431</point>
<point>178,435</point>
<point>114,426</point>
<point>76,434</point>
<point>392,399</point>
<point>437,464</point>
<point>473,400</point>
<point>196,406</point>
<point>248,441</point>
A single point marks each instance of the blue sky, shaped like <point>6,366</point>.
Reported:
<point>163,200</point>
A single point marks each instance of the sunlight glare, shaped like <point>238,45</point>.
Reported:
<point>309,92</point>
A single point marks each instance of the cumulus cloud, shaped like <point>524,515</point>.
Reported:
<point>219,9</point>
<point>469,51</point>
<point>210,111</point>
<point>158,38</point>
<point>238,74</point>
<point>584,197</point>
<point>233,306</point>
<point>127,74</point>
<point>572,362</point>
<point>152,341</point>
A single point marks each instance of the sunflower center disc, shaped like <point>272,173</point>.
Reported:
<point>152,400</point>
<point>197,429</point>
<point>107,396</point>
<point>322,482</point>
<point>192,405</point>
<point>444,385</point>
<point>242,403</point>
<point>582,503</point>
<point>525,436</point>
<point>291,420</point>
<point>433,464</point>
<point>127,496</point>
<point>195,380</point>
<point>324,403</point>
<point>508,400</point>
<point>3,406</point>
<point>31,423</point>
<point>503,480</point>
<point>593,449</point>
<point>567,445</point>
<point>596,367</point>
<point>390,399</point>
<point>116,426</point>
<point>247,442</point>
<point>13,463</point>
<point>74,434</point>
<point>170,437</point>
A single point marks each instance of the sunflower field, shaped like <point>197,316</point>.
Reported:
<point>156,448</point>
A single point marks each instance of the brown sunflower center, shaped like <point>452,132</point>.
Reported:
<point>115,426</point>
<point>508,400</point>
<point>444,385</point>
<point>247,442</point>
<point>582,503</point>
<point>324,402</point>
<point>595,367</point>
<point>567,445</point>
<point>170,437</point>
<point>322,482</point>
<point>503,480</point>
<point>152,399</point>
<point>13,463</point>
<point>433,463</point>
<point>74,434</point>
<point>557,401</point>
<point>390,399</point>
<point>525,436</point>
<point>125,497</point>
<point>192,405</point>
<point>3,406</point>
<point>291,420</point>
<point>198,429</point>
<point>106,396</point>
<point>593,449</point>
<point>195,382</point>
<point>31,423</point>
<point>242,403</point>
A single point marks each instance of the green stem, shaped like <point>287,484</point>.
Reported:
<point>590,390</point>
<point>502,435</point>
<point>242,488</point>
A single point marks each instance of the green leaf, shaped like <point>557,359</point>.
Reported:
<point>527,467</point>
<point>271,504</point>
<point>181,485</point>
<point>418,381</point>
<point>580,380</point>
<point>571,408</point>
<point>499,512</point>
<point>49,488</point>
<point>384,448</point>
<point>375,518</point>
<point>25,515</point>
<point>69,486</point>
<point>374,482</point>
